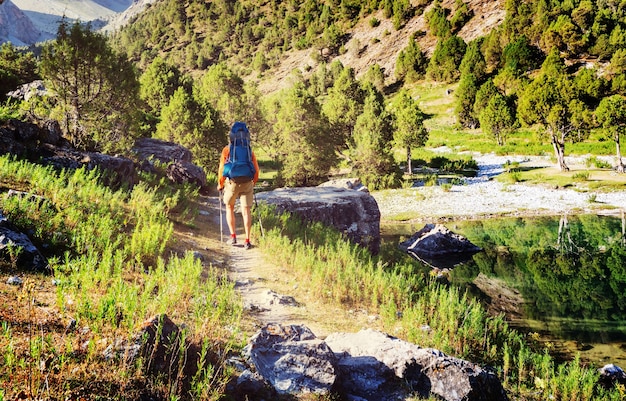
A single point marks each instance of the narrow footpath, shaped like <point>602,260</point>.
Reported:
<point>270,292</point>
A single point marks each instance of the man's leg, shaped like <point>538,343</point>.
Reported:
<point>247,221</point>
<point>229,199</point>
<point>230,218</point>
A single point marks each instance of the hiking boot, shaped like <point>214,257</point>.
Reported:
<point>247,245</point>
<point>232,241</point>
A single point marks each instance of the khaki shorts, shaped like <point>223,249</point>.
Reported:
<point>244,191</point>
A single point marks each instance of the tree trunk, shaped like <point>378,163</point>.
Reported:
<point>409,167</point>
<point>559,151</point>
<point>620,165</point>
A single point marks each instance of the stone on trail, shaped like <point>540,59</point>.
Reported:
<point>292,359</point>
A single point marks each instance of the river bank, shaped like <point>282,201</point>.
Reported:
<point>484,196</point>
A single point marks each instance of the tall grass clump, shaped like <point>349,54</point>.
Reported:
<point>112,272</point>
<point>419,309</point>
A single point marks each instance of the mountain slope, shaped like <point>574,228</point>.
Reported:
<point>26,22</point>
<point>15,26</point>
<point>382,44</point>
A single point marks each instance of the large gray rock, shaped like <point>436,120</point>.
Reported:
<point>429,372</point>
<point>42,142</point>
<point>16,247</point>
<point>164,151</point>
<point>176,159</point>
<point>292,359</point>
<point>354,213</point>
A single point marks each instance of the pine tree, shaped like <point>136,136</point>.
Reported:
<point>410,131</point>
<point>95,89</point>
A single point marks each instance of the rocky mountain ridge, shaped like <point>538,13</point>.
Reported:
<point>27,22</point>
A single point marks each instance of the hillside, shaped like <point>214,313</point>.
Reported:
<point>381,45</point>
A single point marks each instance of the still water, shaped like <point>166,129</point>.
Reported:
<point>563,278</point>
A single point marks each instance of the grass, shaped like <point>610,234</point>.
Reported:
<point>416,308</point>
<point>115,265</point>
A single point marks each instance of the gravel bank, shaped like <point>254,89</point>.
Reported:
<point>482,196</point>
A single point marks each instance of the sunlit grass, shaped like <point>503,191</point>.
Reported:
<point>112,272</point>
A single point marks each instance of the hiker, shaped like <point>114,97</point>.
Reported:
<point>238,173</point>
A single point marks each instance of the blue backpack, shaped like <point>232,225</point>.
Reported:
<point>239,166</point>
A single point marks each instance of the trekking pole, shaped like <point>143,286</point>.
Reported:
<point>221,224</point>
<point>256,205</point>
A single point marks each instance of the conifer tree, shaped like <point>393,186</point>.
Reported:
<point>552,102</point>
<point>371,150</point>
<point>95,89</point>
<point>306,151</point>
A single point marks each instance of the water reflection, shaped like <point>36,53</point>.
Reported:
<point>567,274</point>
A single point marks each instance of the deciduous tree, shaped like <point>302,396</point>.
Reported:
<point>611,114</point>
<point>410,131</point>
<point>552,102</point>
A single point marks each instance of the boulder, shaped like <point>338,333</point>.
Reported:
<point>292,359</point>
<point>16,247</point>
<point>437,245</point>
<point>354,213</point>
<point>611,375</point>
<point>28,90</point>
<point>158,343</point>
<point>163,151</point>
<point>182,172</point>
<point>373,365</point>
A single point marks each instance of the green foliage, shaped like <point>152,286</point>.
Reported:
<point>372,140</point>
<point>194,125</point>
<point>344,104</point>
<point>8,110</point>
<point>94,90</point>
<point>519,56</point>
<point>465,99</point>
<point>304,150</point>
<point>438,22</point>
<point>497,119</point>
<point>158,83</point>
<point>551,101</point>
<point>16,67</point>
<point>443,65</point>
<point>611,115</point>
<point>461,16</point>
<point>411,62</point>
<point>410,131</point>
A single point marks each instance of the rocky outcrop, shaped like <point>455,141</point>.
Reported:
<point>354,213</point>
<point>368,365</point>
<point>373,364</point>
<point>438,246</point>
<point>43,142</point>
<point>15,26</point>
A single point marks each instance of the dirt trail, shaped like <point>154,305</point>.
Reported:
<point>270,292</point>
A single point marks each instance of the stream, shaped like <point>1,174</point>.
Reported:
<point>560,277</point>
